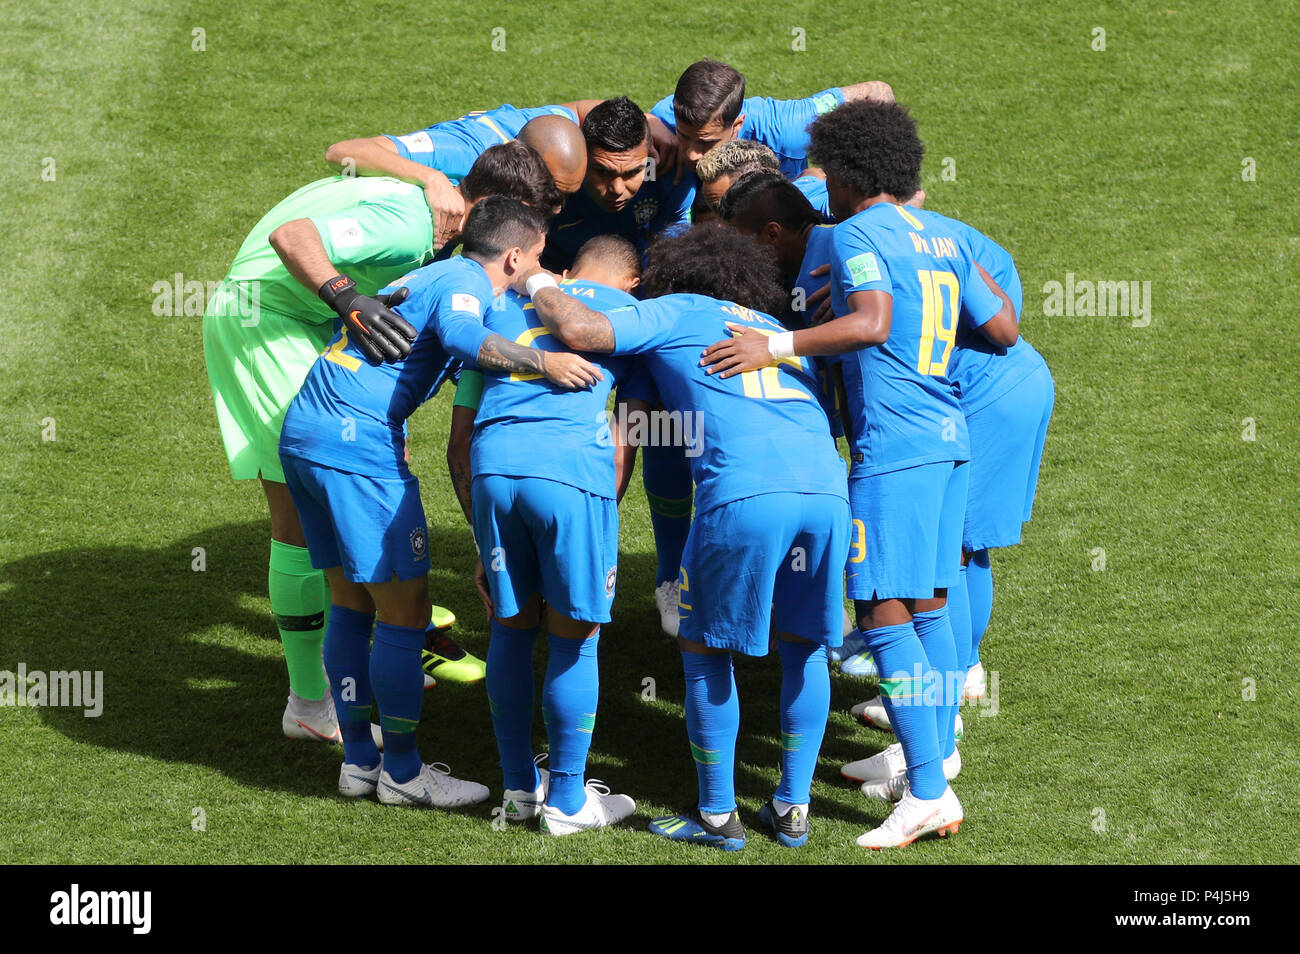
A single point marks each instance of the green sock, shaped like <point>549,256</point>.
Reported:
<point>299,598</point>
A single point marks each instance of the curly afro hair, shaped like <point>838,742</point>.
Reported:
<point>716,260</point>
<point>870,147</point>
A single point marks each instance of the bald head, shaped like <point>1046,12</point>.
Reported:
<point>560,144</point>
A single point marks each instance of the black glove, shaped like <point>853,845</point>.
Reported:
<point>380,333</point>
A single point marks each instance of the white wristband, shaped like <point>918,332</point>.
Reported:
<point>782,345</point>
<point>539,281</point>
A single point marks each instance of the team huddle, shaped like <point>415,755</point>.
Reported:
<point>755,276</point>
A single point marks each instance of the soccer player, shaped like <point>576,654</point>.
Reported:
<point>729,162</point>
<point>440,156</point>
<point>343,448</point>
<point>770,534</point>
<point>545,517</point>
<point>899,281</point>
<point>709,107</point>
<point>1007,396</point>
<point>619,196</point>
<point>266,327</point>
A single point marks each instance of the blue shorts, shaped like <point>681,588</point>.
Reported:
<point>907,526</point>
<point>771,561</point>
<point>373,527</point>
<point>1006,448</point>
<point>542,536</point>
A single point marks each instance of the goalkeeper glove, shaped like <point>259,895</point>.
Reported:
<point>379,332</point>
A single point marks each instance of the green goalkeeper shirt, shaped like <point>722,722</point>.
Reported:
<point>374,229</point>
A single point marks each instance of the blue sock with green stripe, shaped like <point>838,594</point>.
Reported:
<point>569,698</point>
<point>510,697</point>
<point>347,660</point>
<point>666,474</point>
<point>979,590</point>
<point>959,619</point>
<point>398,683</point>
<point>805,707</point>
<point>712,722</point>
<point>905,675</point>
<point>935,632</point>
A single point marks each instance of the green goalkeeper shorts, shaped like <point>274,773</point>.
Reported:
<point>255,369</point>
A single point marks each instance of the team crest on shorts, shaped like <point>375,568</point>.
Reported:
<point>609,580</point>
<point>419,542</point>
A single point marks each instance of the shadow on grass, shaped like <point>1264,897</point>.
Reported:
<point>193,672</point>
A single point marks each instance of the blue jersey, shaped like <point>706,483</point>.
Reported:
<point>526,426</point>
<point>350,414</point>
<point>816,254</point>
<point>814,190</point>
<point>905,408</point>
<point>760,432</point>
<point>779,124</point>
<point>658,206</point>
<point>982,370</point>
<point>452,147</point>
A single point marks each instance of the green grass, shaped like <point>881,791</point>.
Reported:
<point>1121,690</point>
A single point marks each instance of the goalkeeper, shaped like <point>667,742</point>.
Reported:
<point>321,254</point>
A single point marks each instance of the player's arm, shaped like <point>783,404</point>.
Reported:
<point>469,391</point>
<point>573,323</point>
<point>878,90</point>
<point>582,107</point>
<point>378,156</point>
<point>1003,328</point>
<point>464,336</point>
<point>380,333</point>
<point>625,451</point>
<point>866,325</point>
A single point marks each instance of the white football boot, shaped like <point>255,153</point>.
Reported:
<point>873,713</point>
<point>977,684</point>
<point>355,781</point>
<point>434,787</point>
<point>600,810</point>
<point>311,719</point>
<point>666,601</point>
<point>913,818</point>
<point>892,789</point>
<point>520,804</point>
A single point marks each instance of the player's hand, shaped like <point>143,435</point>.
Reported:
<point>747,350</point>
<point>570,371</point>
<point>664,149</point>
<point>447,205</point>
<point>481,584</point>
<point>380,333</point>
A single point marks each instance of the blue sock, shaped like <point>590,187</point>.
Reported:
<point>935,633</point>
<point>805,707</point>
<point>712,722</point>
<point>569,698</point>
<point>510,697</point>
<point>347,661</point>
<point>979,587</point>
<point>398,683</point>
<point>905,674</point>
<point>666,474</point>
<point>959,619</point>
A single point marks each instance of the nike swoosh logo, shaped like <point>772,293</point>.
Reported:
<point>568,225</point>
